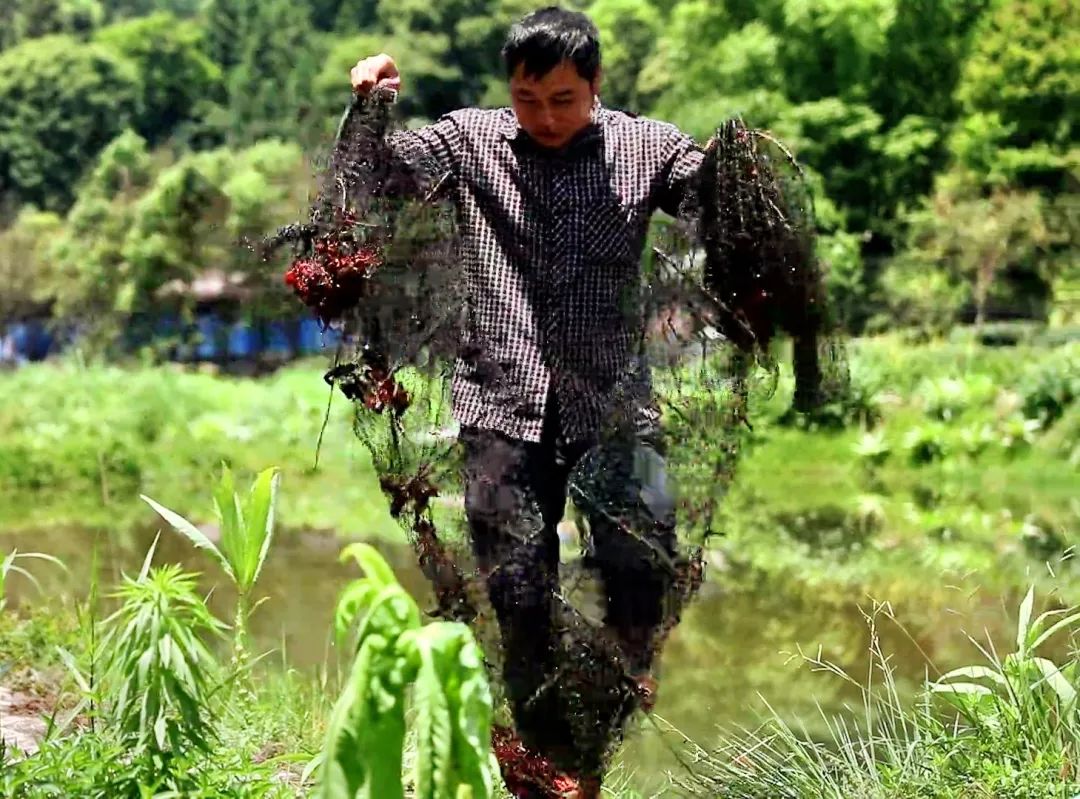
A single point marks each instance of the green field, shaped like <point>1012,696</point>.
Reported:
<point>944,483</point>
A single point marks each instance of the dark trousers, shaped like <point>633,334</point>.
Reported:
<point>515,494</point>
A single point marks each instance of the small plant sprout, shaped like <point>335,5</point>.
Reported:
<point>451,699</point>
<point>247,528</point>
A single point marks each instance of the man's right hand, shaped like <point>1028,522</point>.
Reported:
<point>378,70</point>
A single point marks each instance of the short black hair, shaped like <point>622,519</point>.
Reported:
<point>546,37</point>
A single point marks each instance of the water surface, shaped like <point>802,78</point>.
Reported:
<point>737,644</point>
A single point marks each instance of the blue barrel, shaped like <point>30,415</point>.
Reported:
<point>211,332</point>
<point>243,341</point>
<point>277,339</point>
<point>31,340</point>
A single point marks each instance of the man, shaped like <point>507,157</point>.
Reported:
<point>555,196</point>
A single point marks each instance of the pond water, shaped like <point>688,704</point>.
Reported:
<point>736,645</point>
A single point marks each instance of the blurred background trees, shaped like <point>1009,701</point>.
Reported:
<point>140,139</point>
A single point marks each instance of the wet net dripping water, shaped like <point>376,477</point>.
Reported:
<point>378,260</point>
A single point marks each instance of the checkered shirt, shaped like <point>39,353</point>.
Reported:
<point>551,256</point>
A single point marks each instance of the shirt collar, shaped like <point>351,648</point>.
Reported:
<point>588,137</point>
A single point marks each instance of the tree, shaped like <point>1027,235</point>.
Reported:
<point>987,253</point>
<point>132,9</point>
<point>269,83</point>
<point>628,32</point>
<point>347,17</point>
<point>830,47</point>
<point>1019,94</point>
<point>61,102</point>
<point>89,270</point>
<point>421,61</point>
<point>177,79</point>
<point>459,41</point>
<point>24,262</point>
<point>706,69</point>
<point>840,140</point>
<point>29,19</point>
<point>226,23</point>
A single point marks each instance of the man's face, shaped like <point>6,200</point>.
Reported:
<point>555,107</point>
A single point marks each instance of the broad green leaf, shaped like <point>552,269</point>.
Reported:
<point>473,711</point>
<point>975,672</point>
<point>434,739</point>
<point>1066,693</point>
<point>371,562</point>
<point>1068,621</point>
<point>192,533</point>
<point>354,600</point>
<point>259,522</point>
<point>1024,621</point>
<point>232,528</point>
<point>962,688</point>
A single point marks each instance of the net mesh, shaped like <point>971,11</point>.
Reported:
<point>377,259</point>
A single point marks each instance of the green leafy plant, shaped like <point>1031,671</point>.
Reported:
<point>9,566</point>
<point>1049,387</point>
<point>247,528</point>
<point>1026,695</point>
<point>872,449</point>
<point>451,699</point>
<point>160,672</point>
<point>1017,433</point>
<point>946,398</point>
<point>926,443</point>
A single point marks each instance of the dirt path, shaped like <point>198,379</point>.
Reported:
<point>22,720</point>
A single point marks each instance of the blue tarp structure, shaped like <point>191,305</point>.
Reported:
<point>212,337</point>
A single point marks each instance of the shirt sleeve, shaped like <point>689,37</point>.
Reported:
<point>682,158</point>
<point>434,148</point>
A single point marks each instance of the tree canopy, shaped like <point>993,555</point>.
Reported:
<point>911,118</point>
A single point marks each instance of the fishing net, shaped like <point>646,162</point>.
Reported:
<point>377,260</point>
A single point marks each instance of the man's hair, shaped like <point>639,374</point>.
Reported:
<point>546,37</point>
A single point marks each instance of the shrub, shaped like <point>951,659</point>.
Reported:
<point>1049,387</point>
<point>946,398</point>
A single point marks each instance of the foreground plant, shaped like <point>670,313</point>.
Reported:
<point>1026,697</point>
<point>160,673</point>
<point>247,528</point>
<point>451,700</point>
<point>1017,733</point>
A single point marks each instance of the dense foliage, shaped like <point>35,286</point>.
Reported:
<point>937,135</point>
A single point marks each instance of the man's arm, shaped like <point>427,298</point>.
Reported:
<point>682,157</point>
<point>434,148</point>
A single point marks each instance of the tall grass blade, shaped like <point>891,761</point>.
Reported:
<point>1024,622</point>
<point>1068,621</point>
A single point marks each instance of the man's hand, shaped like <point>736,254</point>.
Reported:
<point>378,70</point>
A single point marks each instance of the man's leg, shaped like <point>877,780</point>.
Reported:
<point>514,496</point>
<point>621,486</point>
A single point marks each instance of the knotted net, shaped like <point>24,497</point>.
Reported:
<point>377,259</point>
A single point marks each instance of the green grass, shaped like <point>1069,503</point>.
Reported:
<point>953,478</point>
<point>1005,726</point>
<point>94,438</point>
